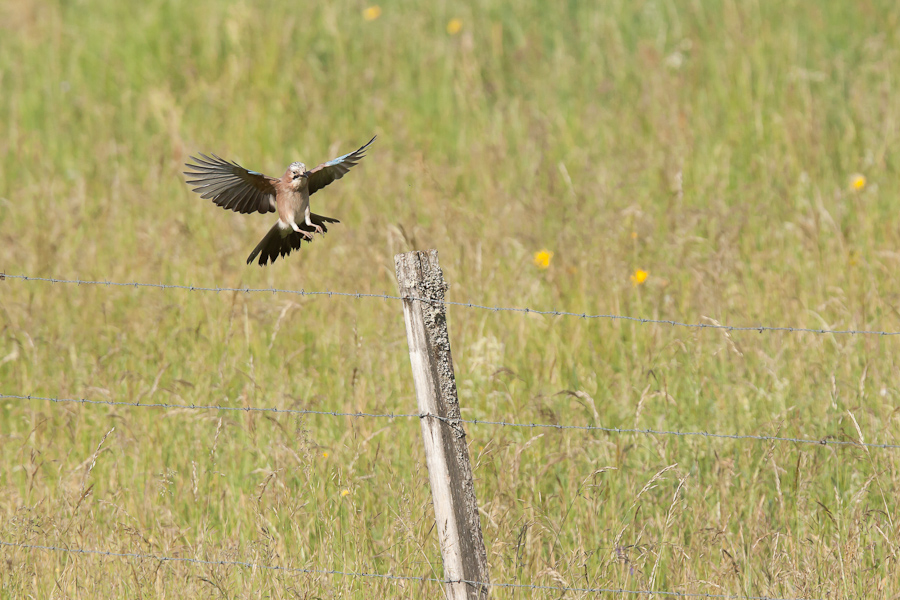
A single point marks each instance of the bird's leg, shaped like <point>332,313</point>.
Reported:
<point>305,234</point>
<point>311,224</point>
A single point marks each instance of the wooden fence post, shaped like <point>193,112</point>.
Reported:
<point>446,453</point>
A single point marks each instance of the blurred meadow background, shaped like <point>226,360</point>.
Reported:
<point>727,162</point>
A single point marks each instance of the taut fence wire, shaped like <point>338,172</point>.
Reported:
<point>825,441</point>
<point>388,576</point>
<point>553,313</point>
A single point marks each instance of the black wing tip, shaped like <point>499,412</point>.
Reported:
<point>359,153</point>
<point>212,158</point>
<point>202,162</point>
<point>367,144</point>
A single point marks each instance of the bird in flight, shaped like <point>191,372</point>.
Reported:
<point>232,186</point>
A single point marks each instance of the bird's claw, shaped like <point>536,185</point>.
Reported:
<point>308,236</point>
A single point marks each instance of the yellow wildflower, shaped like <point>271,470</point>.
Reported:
<point>858,182</point>
<point>454,26</point>
<point>639,277</point>
<point>634,235</point>
<point>324,455</point>
<point>542,258</point>
<point>345,493</point>
<point>372,13</point>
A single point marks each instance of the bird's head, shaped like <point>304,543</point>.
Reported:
<point>297,174</point>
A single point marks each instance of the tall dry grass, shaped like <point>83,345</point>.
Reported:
<point>712,145</point>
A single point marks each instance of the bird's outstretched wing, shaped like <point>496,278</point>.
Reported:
<point>232,186</point>
<point>335,169</point>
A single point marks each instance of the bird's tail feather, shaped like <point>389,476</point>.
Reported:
<point>268,244</point>
<point>280,242</point>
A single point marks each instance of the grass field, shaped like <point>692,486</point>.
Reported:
<point>729,161</point>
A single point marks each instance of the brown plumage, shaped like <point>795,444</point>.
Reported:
<point>233,187</point>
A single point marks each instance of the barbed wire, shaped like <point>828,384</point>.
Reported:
<point>826,441</point>
<point>555,313</point>
<point>387,576</point>
<point>299,411</point>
